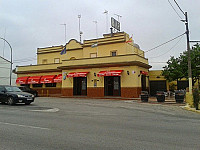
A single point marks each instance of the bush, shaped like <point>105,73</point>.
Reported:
<point>196,98</point>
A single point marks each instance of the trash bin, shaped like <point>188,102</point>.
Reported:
<point>144,96</point>
<point>160,95</point>
<point>179,96</point>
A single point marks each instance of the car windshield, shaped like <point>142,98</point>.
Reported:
<point>12,89</point>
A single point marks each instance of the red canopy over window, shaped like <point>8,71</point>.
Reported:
<point>47,79</point>
<point>22,80</point>
<point>34,80</point>
<point>77,74</point>
<point>110,73</point>
<point>143,72</point>
<point>58,78</point>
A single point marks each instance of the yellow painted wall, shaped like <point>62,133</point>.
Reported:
<point>101,60</point>
<point>131,80</point>
<point>105,46</point>
<point>126,53</point>
<point>156,75</point>
<point>73,49</point>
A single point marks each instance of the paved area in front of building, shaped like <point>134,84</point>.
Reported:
<point>74,123</point>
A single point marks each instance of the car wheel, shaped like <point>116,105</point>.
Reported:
<point>27,103</point>
<point>10,101</point>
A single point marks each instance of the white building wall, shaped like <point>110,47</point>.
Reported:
<point>5,73</point>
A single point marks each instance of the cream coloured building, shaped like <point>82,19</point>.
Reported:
<point>103,67</point>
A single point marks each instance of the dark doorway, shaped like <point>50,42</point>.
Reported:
<point>79,86</point>
<point>143,83</point>
<point>182,85</point>
<point>112,86</point>
<point>157,86</point>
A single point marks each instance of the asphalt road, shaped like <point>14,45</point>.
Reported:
<point>90,124</point>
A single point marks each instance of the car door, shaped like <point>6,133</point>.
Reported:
<point>2,94</point>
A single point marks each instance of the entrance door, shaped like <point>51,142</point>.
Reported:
<point>157,86</point>
<point>143,83</point>
<point>79,86</point>
<point>112,86</point>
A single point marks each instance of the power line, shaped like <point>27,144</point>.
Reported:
<point>164,43</point>
<point>179,7</point>
<point>169,49</point>
<point>174,9</point>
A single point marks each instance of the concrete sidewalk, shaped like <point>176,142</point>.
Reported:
<point>171,101</point>
<point>168,101</point>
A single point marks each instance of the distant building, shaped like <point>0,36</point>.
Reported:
<point>110,66</point>
<point>5,72</point>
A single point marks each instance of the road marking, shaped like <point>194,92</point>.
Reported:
<point>47,110</point>
<point>26,126</point>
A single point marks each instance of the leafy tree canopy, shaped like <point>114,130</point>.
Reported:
<point>177,68</point>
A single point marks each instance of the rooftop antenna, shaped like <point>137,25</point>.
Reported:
<point>96,29</point>
<point>80,32</point>
<point>106,13</point>
<point>65,30</point>
<point>118,16</point>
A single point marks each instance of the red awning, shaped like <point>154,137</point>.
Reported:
<point>58,78</point>
<point>34,80</point>
<point>22,80</point>
<point>110,73</point>
<point>143,72</point>
<point>47,79</point>
<point>77,74</point>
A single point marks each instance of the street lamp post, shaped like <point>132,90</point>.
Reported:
<point>11,62</point>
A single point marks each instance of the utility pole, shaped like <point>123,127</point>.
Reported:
<point>189,57</point>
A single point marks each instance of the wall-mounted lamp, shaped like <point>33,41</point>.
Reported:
<point>95,74</point>
<point>128,73</point>
<point>138,75</point>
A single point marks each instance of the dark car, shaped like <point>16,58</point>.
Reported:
<point>12,95</point>
<point>28,90</point>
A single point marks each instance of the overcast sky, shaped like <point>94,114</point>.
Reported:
<point>31,24</point>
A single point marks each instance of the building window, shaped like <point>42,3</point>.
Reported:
<point>56,60</point>
<point>93,55</point>
<point>113,53</point>
<point>37,85</point>
<point>50,84</point>
<point>44,61</point>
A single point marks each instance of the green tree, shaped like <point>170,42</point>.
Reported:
<point>177,68</point>
<point>173,70</point>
